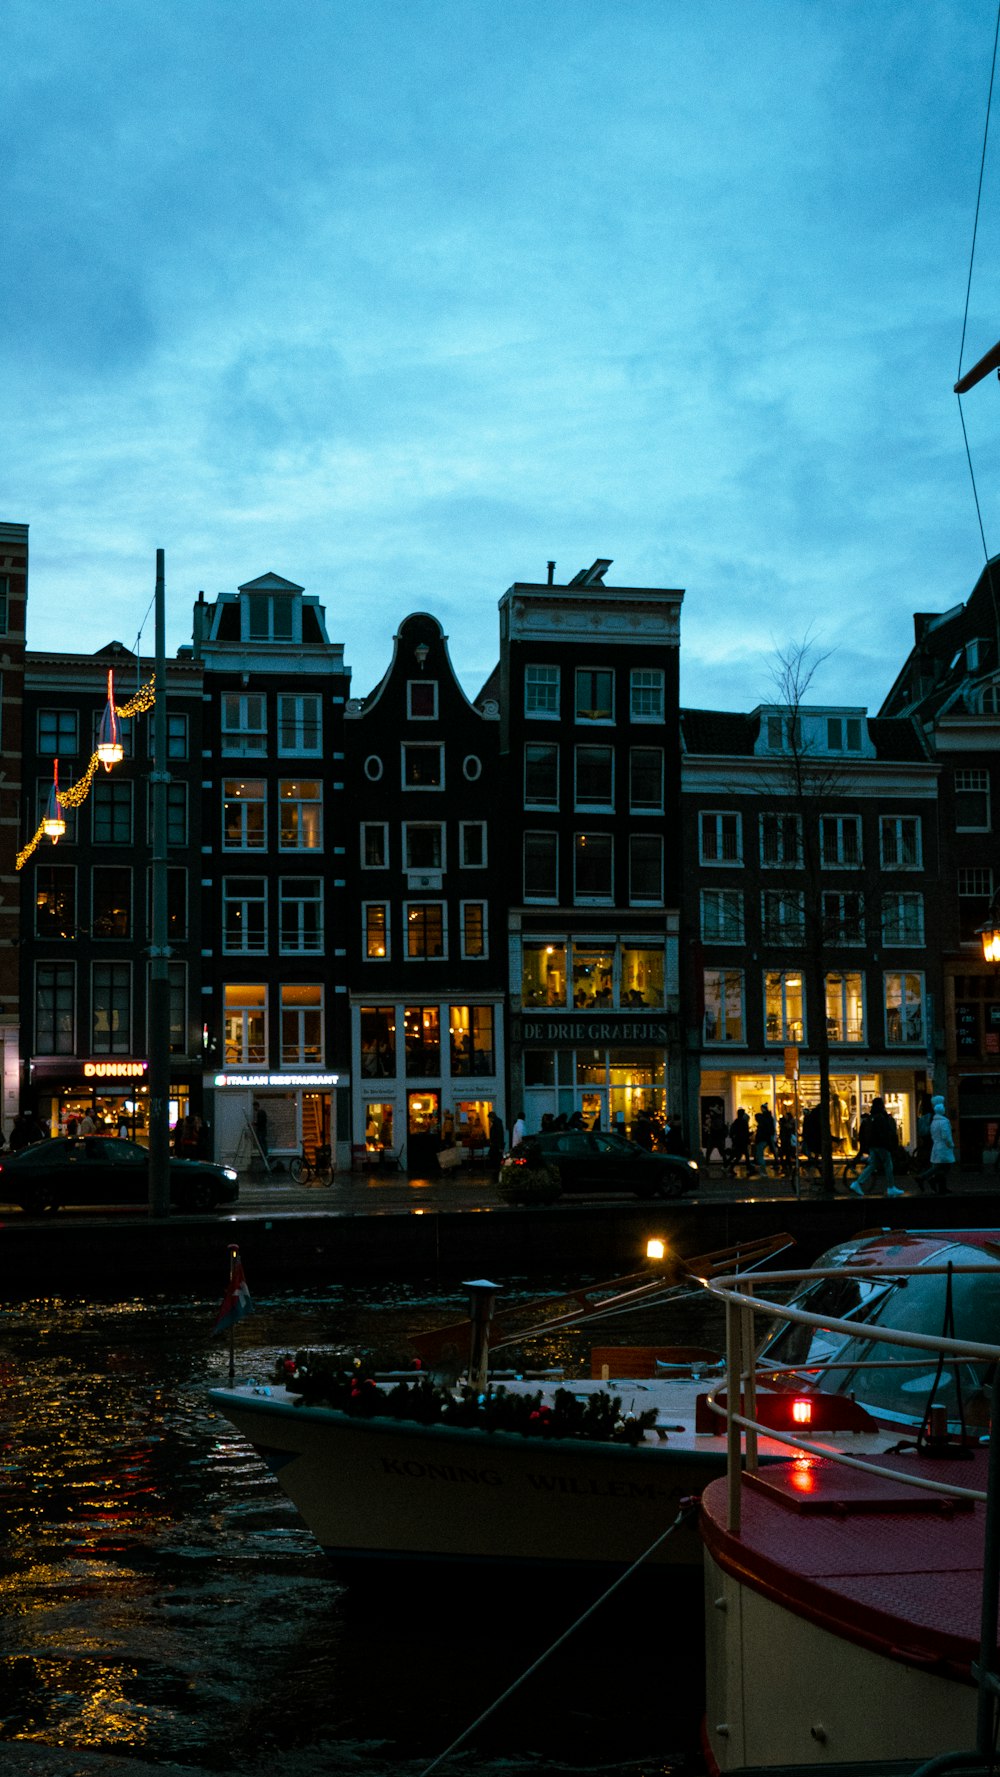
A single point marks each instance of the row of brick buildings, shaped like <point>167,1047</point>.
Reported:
<point>396,912</point>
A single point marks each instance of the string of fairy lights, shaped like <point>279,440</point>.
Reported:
<point>108,750</point>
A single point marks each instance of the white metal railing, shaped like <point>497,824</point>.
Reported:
<point>742,1373</point>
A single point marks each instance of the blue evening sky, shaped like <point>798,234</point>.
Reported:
<point>402,298</point>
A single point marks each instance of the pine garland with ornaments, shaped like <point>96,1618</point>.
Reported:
<point>595,1418</point>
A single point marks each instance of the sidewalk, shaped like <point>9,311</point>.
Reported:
<point>375,1193</point>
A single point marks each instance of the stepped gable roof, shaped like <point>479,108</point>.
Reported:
<point>719,731</point>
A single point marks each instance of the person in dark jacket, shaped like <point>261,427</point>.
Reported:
<point>495,1153</point>
<point>739,1153</point>
<point>883,1139</point>
<point>764,1134</point>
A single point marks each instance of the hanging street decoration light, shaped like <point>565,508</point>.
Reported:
<point>109,736</point>
<point>53,823</point>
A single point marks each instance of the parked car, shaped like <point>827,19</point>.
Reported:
<point>590,1160</point>
<point>102,1169</point>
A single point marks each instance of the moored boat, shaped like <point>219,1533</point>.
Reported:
<point>851,1606</point>
<point>379,1474</point>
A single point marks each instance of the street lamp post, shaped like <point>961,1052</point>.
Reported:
<point>159,982</point>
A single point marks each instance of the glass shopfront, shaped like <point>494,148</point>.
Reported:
<point>588,975</point>
<point>850,1097</point>
<point>609,1087</point>
<point>426,1072</point>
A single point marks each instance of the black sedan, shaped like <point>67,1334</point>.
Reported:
<point>100,1169</point>
<point>590,1160</point>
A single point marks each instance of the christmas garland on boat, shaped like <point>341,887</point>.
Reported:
<point>593,1418</point>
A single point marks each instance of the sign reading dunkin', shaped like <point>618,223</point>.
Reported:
<point>94,1070</point>
<point>607,1029</point>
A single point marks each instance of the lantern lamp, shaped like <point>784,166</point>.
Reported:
<point>989,934</point>
<point>109,736</point>
<point>53,824</point>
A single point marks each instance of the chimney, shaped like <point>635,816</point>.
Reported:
<point>552,570</point>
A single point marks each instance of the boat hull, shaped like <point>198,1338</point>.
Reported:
<point>378,1490</point>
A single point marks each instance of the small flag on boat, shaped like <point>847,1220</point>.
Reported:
<point>236,1301</point>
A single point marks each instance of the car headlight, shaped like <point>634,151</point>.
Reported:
<point>692,1165</point>
<point>227,1172</point>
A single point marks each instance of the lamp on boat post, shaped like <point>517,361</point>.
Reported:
<point>483,1295</point>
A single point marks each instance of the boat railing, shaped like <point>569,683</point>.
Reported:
<point>742,1303</point>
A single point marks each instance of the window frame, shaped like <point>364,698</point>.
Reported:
<point>66,737</point>
<point>718,815</point>
<point>68,871</point>
<point>984,788</point>
<point>467,954</point>
<point>112,966</point>
<point>780,858</point>
<point>783,916</point>
<point>894,919</point>
<point>286,899</point>
<point>245,803</point>
<point>464,828</point>
<point>113,796</point>
<point>902,976</point>
<point>550,898</point>
<point>423,907</point>
<point>411,828</point>
<point>601,805</point>
<point>248,1056</point>
<point>724,974</point>
<point>721,897</point>
<point>68,972</point>
<point>300,748</point>
<point>580,714</point>
<point>301,1057</point>
<point>846,1042</point>
<point>634,898</point>
<point>245,739</point>
<point>368,932</point>
<point>408,747</point>
<point>845,823</point>
<point>537,801</point>
<point>898,822</point>
<point>413,715</point>
<point>301,826</point>
<point>374,826</point>
<point>580,897</point>
<point>789,1035</point>
<point>533,710</point>
<point>653,673</point>
<point>236,892</point>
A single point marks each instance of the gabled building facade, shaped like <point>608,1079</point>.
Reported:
<point>950,686</point>
<point>590,814</point>
<point>810,897</point>
<point>426,933</point>
<point>273,871</point>
<point>87,902</point>
<point>13,623</point>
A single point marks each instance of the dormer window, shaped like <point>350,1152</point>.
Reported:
<point>843,734</point>
<point>784,733</point>
<point>268,617</point>
<point>989,701</point>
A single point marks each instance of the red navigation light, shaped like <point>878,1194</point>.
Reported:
<point>802,1411</point>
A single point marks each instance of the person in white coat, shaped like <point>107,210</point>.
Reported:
<point>942,1148</point>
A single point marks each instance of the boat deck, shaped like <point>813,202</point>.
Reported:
<point>892,1568</point>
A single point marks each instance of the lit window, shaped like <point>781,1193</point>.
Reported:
<point>783,1007</point>
<point>244,826</point>
<point>378,1042</point>
<point>424,925</point>
<point>470,1032</point>
<point>845,1008</point>
<point>473,916</point>
<point>244,1013</point>
<point>374,915</point>
<point>55,901</point>
<point>904,1010</point>
<point>723,1005</point>
<point>422,1041</point>
<point>300,813</point>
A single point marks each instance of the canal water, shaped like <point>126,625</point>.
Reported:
<point>162,1608</point>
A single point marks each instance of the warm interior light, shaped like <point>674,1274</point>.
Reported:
<point>53,824</point>
<point>991,943</point>
<point>802,1412</point>
<point>656,1249</point>
<point>109,738</point>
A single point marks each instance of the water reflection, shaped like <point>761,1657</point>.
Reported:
<point>161,1599</point>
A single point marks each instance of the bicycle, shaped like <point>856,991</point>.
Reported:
<point>304,1171</point>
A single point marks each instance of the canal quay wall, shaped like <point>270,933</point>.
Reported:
<point>117,1257</point>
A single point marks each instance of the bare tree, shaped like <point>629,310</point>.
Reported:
<point>806,788</point>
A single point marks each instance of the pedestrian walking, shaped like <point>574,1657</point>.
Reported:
<point>942,1148</point>
<point>883,1137</point>
<point>495,1153</point>
<point>764,1136</point>
<point>739,1152</point>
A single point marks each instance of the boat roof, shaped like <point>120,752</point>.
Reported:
<point>890,1247</point>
